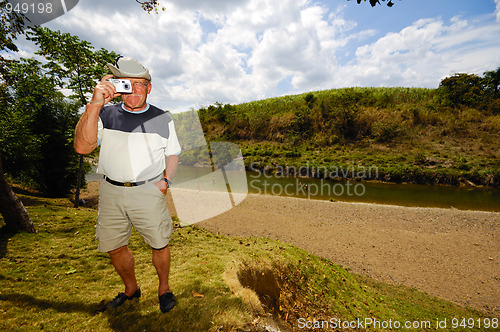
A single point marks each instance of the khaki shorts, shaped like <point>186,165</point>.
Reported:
<point>144,207</point>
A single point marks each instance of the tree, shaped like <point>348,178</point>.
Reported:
<point>12,209</point>
<point>463,89</point>
<point>38,129</point>
<point>150,5</point>
<point>492,82</point>
<point>472,90</point>
<point>11,26</point>
<point>75,64</point>
<point>376,2</point>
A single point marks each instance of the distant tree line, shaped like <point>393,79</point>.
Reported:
<point>472,90</point>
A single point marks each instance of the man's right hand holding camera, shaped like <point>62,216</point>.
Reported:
<point>86,129</point>
<point>104,91</point>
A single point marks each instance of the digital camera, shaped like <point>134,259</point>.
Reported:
<point>122,86</point>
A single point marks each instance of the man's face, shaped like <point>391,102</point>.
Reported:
<point>136,101</point>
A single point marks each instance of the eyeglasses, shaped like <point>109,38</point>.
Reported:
<point>139,85</point>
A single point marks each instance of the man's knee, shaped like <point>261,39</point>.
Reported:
<point>160,249</point>
<point>118,251</point>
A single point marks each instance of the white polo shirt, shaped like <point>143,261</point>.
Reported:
<point>134,144</point>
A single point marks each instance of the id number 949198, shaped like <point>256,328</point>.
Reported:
<point>474,323</point>
<point>24,8</point>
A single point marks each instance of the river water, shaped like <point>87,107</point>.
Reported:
<point>379,193</point>
<point>484,199</point>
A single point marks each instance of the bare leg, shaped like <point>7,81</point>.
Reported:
<point>161,261</point>
<point>123,261</point>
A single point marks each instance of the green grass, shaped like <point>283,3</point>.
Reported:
<point>54,280</point>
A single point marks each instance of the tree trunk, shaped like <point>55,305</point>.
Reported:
<point>12,209</point>
<point>79,181</point>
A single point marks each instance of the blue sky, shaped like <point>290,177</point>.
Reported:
<point>202,52</point>
<point>404,13</point>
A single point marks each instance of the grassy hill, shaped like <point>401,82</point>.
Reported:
<point>54,280</point>
<point>409,134</point>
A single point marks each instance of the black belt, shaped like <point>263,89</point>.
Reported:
<point>129,184</point>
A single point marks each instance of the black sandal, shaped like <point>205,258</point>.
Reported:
<point>119,300</point>
<point>167,301</point>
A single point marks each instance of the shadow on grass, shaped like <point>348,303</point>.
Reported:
<point>23,300</point>
<point>190,314</point>
<point>153,321</point>
<point>32,201</point>
<point>26,192</point>
<point>31,197</point>
<point>5,235</point>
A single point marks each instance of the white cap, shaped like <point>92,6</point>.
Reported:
<point>129,67</point>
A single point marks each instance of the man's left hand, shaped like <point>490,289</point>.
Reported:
<point>162,186</point>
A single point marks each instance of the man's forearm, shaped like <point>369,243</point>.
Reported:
<point>172,162</point>
<point>86,130</point>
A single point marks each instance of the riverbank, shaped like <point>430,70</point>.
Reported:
<point>448,253</point>
<point>393,163</point>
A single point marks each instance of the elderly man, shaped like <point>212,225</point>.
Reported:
<point>138,158</point>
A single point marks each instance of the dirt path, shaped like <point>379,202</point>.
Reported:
<point>449,253</point>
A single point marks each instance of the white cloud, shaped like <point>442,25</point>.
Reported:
<point>200,52</point>
<point>252,45</point>
<point>497,10</point>
<point>301,45</point>
<point>424,53</point>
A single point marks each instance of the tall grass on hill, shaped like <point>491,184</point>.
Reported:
<point>326,111</point>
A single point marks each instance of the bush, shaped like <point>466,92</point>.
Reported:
<point>461,164</point>
<point>463,89</point>
<point>385,131</point>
